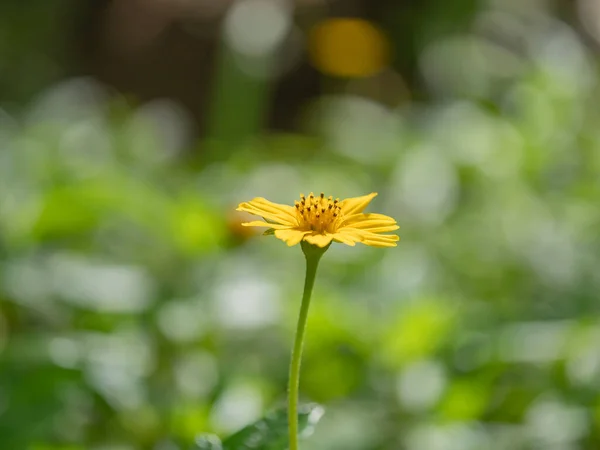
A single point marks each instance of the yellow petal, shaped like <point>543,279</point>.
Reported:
<point>282,214</point>
<point>274,217</point>
<point>379,219</point>
<point>356,205</point>
<point>287,209</point>
<point>290,237</point>
<point>382,229</point>
<point>380,244</point>
<point>367,223</point>
<point>260,223</point>
<point>320,240</point>
<point>351,233</point>
<point>380,240</point>
<point>345,239</point>
<point>369,238</point>
<point>371,227</point>
<point>367,234</point>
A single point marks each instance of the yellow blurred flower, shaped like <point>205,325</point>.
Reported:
<point>321,220</point>
<point>348,47</point>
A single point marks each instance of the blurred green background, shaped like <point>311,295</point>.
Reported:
<point>135,312</point>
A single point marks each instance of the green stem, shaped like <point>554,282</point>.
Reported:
<point>313,255</point>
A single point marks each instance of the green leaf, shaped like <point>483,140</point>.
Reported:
<point>269,232</point>
<point>271,432</point>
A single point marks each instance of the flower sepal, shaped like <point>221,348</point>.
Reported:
<point>312,251</point>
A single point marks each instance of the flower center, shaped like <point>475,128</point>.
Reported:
<point>318,213</point>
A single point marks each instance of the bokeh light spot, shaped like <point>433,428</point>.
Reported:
<point>256,27</point>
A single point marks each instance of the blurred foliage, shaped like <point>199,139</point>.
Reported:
<point>269,433</point>
<point>135,312</point>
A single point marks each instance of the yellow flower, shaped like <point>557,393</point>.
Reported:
<point>320,220</point>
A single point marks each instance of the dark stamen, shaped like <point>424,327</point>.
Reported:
<point>322,195</point>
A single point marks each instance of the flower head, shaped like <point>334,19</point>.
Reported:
<point>319,220</point>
